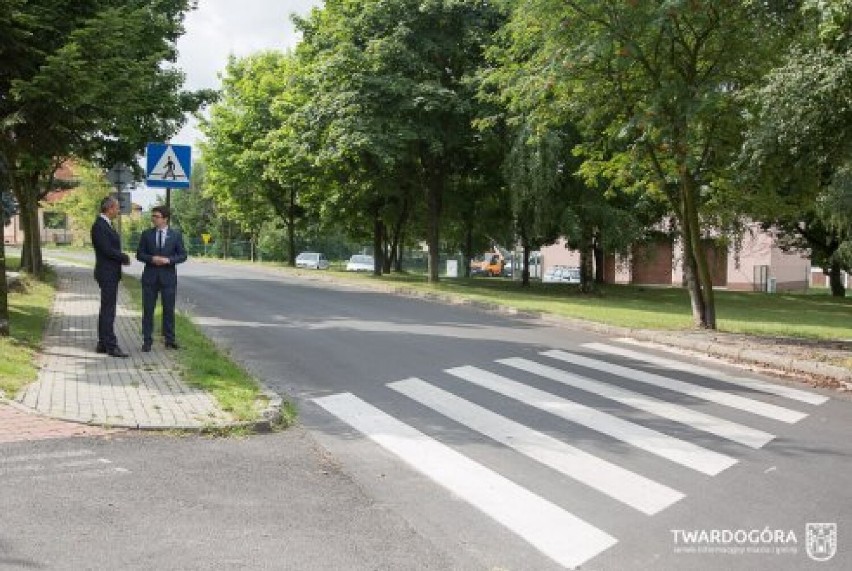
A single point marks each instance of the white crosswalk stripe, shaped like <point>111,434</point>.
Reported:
<point>632,489</point>
<point>560,535</point>
<point>780,390</point>
<point>553,529</point>
<point>45,456</point>
<point>759,408</point>
<point>720,427</point>
<point>754,384</point>
<point>57,465</point>
<point>668,447</point>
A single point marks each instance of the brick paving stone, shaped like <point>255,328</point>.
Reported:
<point>19,426</point>
<point>76,383</point>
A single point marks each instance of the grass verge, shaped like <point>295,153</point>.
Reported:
<point>812,315</point>
<point>205,366</point>
<point>29,308</point>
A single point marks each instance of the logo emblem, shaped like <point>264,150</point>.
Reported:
<point>821,540</point>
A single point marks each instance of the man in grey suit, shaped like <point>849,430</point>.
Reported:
<point>160,249</point>
<point>108,261</point>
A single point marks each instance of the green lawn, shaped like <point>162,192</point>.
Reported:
<point>812,315</point>
<point>815,315</point>
<point>29,308</point>
<point>204,366</point>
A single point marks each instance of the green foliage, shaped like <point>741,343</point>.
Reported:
<point>234,154</point>
<point>391,106</point>
<point>798,148</point>
<point>92,79</point>
<point>8,208</point>
<point>82,205</point>
<point>193,212</point>
<point>652,85</point>
<point>29,309</point>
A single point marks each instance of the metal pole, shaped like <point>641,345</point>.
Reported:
<point>169,198</point>
<point>118,188</point>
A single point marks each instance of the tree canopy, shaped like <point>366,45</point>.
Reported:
<point>93,79</point>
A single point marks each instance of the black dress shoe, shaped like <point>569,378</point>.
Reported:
<point>117,352</point>
<point>146,348</point>
<point>172,345</point>
<point>100,349</point>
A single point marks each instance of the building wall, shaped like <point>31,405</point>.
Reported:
<point>616,267</point>
<point>652,263</point>
<point>791,271</point>
<point>744,265</point>
<point>820,279</point>
<point>559,255</point>
<point>717,261</point>
<point>13,234</point>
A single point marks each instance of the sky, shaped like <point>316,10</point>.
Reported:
<point>218,29</point>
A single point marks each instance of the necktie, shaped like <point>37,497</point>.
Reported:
<point>161,239</point>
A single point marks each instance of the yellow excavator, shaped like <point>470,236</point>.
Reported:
<point>489,264</point>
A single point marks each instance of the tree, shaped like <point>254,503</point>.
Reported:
<point>392,99</point>
<point>237,152</point>
<point>652,85</point>
<point>798,149</point>
<point>81,205</point>
<point>89,79</point>
<point>193,212</point>
<point>8,208</point>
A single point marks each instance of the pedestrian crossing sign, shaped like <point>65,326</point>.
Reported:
<point>168,166</point>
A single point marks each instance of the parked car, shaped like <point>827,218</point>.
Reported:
<point>312,260</point>
<point>561,275</point>
<point>360,263</point>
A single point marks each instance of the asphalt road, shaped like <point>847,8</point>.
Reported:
<point>364,363</point>
<point>441,437</point>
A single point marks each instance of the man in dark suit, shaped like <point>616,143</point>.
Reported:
<point>108,261</point>
<point>160,249</point>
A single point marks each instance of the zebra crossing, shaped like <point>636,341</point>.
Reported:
<point>553,529</point>
<point>65,464</point>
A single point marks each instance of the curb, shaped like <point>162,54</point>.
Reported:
<point>790,365</point>
<point>266,422</point>
<point>742,355</point>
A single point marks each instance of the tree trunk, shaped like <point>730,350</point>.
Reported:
<point>835,281</point>
<point>468,249</point>
<point>379,239</point>
<point>525,273</point>
<point>388,253</point>
<point>398,251</point>
<point>394,259</point>
<point>27,195</point>
<point>699,281</point>
<point>434,194</point>
<point>587,282</point>
<point>600,276</point>
<point>4,288</point>
<point>291,230</point>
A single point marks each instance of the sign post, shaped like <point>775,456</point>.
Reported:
<point>206,238</point>
<point>121,175</point>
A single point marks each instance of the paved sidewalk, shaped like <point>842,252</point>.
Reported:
<point>75,383</point>
<point>20,425</point>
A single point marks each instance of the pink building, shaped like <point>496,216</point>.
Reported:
<point>52,227</point>
<point>758,265</point>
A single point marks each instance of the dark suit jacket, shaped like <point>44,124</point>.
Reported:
<point>173,249</point>
<point>108,254</point>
